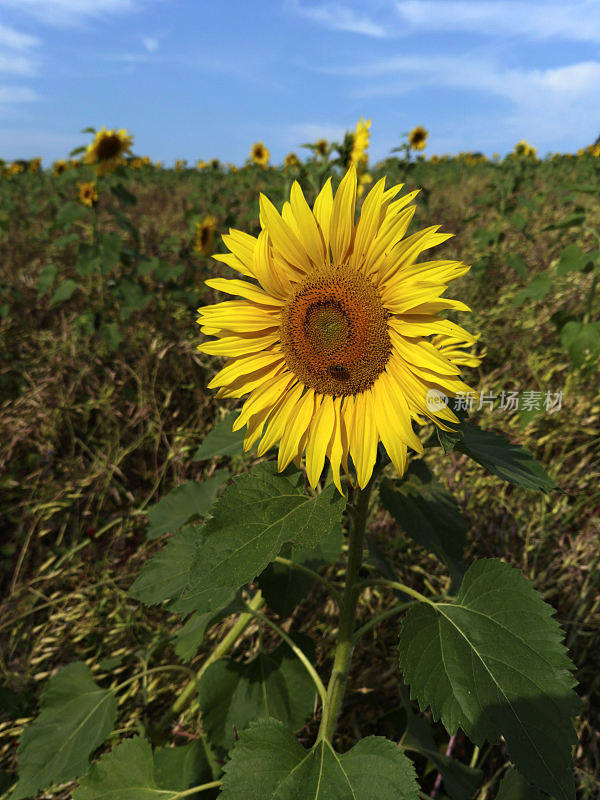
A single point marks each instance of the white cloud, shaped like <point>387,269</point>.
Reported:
<point>15,40</point>
<point>70,12</point>
<point>578,20</point>
<point>17,94</point>
<point>150,43</point>
<point>339,18</point>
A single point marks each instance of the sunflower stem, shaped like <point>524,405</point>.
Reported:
<point>345,642</point>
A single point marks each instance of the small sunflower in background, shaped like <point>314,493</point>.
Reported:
<point>35,164</point>
<point>364,179</point>
<point>331,334</point>
<point>136,163</point>
<point>200,164</point>
<point>361,142</point>
<point>107,149</point>
<point>205,232</point>
<point>88,194</point>
<point>322,147</point>
<point>146,161</point>
<point>291,161</point>
<point>16,168</point>
<point>259,154</point>
<point>417,138</point>
<point>180,163</point>
<point>59,167</point>
<point>158,165</point>
<point>524,150</point>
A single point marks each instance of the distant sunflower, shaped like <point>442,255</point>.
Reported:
<point>59,167</point>
<point>35,164</point>
<point>417,138</point>
<point>15,168</point>
<point>364,179</point>
<point>361,142</point>
<point>88,194</point>
<point>524,150</point>
<point>321,146</point>
<point>136,163</point>
<point>205,232</point>
<point>107,149</point>
<point>259,154</point>
<point>291,160</point>
<point>330,339</point>
<point>200,164</point>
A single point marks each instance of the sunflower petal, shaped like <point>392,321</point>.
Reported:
<point>342,217</point>
<point>321,427</point>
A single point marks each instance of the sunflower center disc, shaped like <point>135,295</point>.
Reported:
<point>334,332</point>
<point>108,147</point>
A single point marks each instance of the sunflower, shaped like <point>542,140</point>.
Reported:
<point>59,167</point>
<point>35,164</point>
<point>200,164</point>
<point>417,138</point>
<point>361,142</point>
<point>259,154</point>
<point>524,150</point>
<point>291,161</point>
<point>321,147</point>
<point>15,168</point>
<point>364,178</point>
<point>180,163</point>
<point>107,149</point>
<point>330,339</point>
<point>88,194</point>
<point>205,232</point>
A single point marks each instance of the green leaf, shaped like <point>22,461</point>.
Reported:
<point>537,289</point>
<point>221,441</point>
<point>63,292</point>
<point>111,335</point>
<point>517,262</point>
<point>511,462</point>
<point>272,685</point>
<point>71,212</point>
<point>492,663</point>
<point>573,259</point>
<point>428,513</point>
<point>581,340</point>
<point>191,635</point>
<point>514,787</point>
<point>110,251</point>
<point>570,221</point>
<point>180,768</point>
<point>284,587</point>
<point>184,504</point>
<point>46,280</point>
<point>268,761</point>
<point>87,259</point>
<point>129,772</point>
<point>168,272</point>
<point>199,567</point>
<point>146,266</point>
<point>75,717</point>
<point>133,296</point>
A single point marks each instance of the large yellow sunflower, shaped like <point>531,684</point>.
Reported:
<point>107,149</point>
<point>330,338</point>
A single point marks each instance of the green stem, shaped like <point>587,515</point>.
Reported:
<point>202,788</point>
<point>345,643</point>
<point>139,675</point>
<point>297,651</point>
<point>315,575</point>
<point>220,650</point>
<point>590,301</point>
<point>391,612</point>
<point>401,587</point>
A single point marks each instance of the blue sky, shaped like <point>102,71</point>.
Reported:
<point>206,78</point>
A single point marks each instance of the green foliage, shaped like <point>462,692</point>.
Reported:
<point>131,772</point>
<point>221,441</point>
<point>492,663</point>
<point>508,461</point>
<point>537,289</point>
<point>573,259</point>
<point>64,291</point>
<point>581,340</point>
<point>268,761</point>
<point>427,513</point>
<point>75,717</point>
<point>199,567</point>
<point>184,504</point>
<point>272,685</point>
<point>513,786</point>
<point>47,278</point>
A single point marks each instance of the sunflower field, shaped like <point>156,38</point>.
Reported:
<point>299,475</point>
